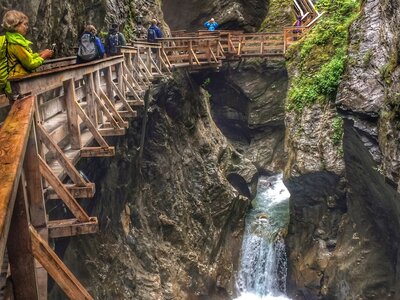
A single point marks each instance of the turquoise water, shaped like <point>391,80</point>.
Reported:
<point>263,264</point>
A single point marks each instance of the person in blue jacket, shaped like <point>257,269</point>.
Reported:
<point>85,51</point>
<point>211,24</point>
<point>154,32</point>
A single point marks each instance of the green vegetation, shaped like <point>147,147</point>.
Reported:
<point>320,57</point>
<point>337,126</point>
<point>278,16</point>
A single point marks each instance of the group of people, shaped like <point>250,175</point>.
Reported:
<point>91,47</point>
<point>18,59</point>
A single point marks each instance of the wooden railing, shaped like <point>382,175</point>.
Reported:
<point>69,111</point>
<point>190,51</point>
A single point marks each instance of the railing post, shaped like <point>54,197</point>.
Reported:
<point>20,248</point>
<point>72,115</point>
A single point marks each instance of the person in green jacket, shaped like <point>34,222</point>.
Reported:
<point>21,60</point>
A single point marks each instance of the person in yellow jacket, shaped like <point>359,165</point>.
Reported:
<point>21,60</point>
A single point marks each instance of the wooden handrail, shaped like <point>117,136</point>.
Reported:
<point>14,136</point>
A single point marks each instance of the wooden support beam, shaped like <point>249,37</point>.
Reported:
<point>62,191</point>
<point>128,114</point>
<point>78,192</point>
<point>60,156</point>
<point>111,107</point>
<point>14,136</point>
<point>109,80</point>
<point>122,97</point>
<point>72,227</point>
<point>132,79</point>
<point>112,131</point>
<point>132,89</point>
<point>92,128</point>
<point>72,115</point>
<point>97,152</point>
<point>56,268</point>
<point>106,112</point>
<point>19,248</point>
<point>34,185</point>
<point>90,100</point>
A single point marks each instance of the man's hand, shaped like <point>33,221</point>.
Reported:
<point>46,53</point>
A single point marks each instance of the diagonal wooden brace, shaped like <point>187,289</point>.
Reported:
<point>57,269</point>
<point>63,160</point>
<point>62,192</point>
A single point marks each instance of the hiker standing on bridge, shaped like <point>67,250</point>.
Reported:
<point>154,32</point>
<point>211,25</point>
<point>114,39</point>
<point>90,46</point>
<point>16,55</point>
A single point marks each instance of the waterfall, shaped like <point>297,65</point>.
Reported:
<point>262,270</point>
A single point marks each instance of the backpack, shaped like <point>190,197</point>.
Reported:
<point>151,35</point>
<point>113,41</point>
<point>87,50</point>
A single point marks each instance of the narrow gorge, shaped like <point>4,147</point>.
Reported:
<point>262,178</point>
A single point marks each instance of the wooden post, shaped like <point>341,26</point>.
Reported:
<point>36,202</point>
<point>73,120</point>
<point>109,82</point>
<point>19,249</point>
<point>91,103</point>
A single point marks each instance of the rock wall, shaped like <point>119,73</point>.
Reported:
<point>344,225</point>
<point>191,14</point>
<point>171,227</point>
<point>61,22</point>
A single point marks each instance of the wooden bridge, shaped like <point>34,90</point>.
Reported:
<point>67,113</point>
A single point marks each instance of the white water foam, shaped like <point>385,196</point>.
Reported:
<point>262,272</point>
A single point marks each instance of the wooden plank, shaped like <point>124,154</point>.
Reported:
<point>14,136</point>
<point>60,156</point>
<point>78,192</point>
<point>112,131</point>
<point>72,115</point>
<point>72,227</point>
<point>20,249</point>
<point>61,191</point>
<point>112,108</point>
<point>97,152</point>
<point>56,268</point>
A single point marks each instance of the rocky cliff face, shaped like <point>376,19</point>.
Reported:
<point>344,214</point>
<point>62,22</point>
<point>191,14</point>
<point>171,227</point>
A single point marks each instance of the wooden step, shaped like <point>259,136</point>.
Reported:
<point>71,227</point>
<point>78,192</point>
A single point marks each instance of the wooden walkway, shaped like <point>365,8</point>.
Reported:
<point>66,114</point>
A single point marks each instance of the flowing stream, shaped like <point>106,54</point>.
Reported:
<point>262,270</point>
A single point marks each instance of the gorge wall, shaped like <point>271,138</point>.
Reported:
<point>171,227</point>
<point>343,233</point>
<point>172,221</point>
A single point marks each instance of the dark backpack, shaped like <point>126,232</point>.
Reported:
<point>87,50</point>
<point>113,42</point>
<point>151,35</point>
